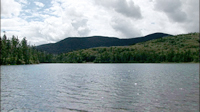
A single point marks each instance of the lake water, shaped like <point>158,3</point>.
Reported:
<point>100,88</point>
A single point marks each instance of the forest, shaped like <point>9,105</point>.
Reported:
<point>179,48</point>
<point>16,52</point>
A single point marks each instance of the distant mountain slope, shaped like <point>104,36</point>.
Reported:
<point>178,48</point>
<point>77,43</point>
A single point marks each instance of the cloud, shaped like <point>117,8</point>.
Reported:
<point>10,8</point>
<point>83,31</point>
<point>173,9</point>
<point>39,4</point>
<point>184,12</point>
<point>46,22</point>
<point>81,26</point>
<point>23,1</point>
<point>51,30</point>
<point>191,7</point>
<point>126,8</point>
<point>125,27</point>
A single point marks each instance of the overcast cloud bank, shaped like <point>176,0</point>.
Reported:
<point>45,21</point>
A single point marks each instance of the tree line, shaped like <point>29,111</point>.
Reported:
<point>128,55</point>
<point>15,52</point>
<point>179,48</point>
<point>183,48</point>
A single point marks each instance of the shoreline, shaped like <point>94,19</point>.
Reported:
<point>109,63</point>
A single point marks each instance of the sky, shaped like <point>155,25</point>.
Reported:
<point>49,21</point>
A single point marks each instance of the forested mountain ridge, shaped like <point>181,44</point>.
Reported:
<point>179,48</point>
<point>77,43</point>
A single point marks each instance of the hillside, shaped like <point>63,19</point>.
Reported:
<point>77,43</point>
<point>179,48</point>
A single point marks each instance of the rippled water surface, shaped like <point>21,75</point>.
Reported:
<point>100,87</point>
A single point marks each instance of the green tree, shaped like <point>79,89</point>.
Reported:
<point>25,50</point>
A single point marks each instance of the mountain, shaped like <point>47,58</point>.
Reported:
<point>178,48</point>
<point>77,43</point>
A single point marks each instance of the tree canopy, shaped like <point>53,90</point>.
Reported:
<point>180,48</point>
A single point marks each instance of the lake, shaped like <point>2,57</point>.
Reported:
<point>100,87</point>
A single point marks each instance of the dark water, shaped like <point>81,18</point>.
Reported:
<point>100,88</point>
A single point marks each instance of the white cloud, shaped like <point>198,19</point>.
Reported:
<point>13,26</point>
<point>117,18</point>
<point>185,12</point>
<point>39,4</point>
<point>191,8</point>
<point>173,9</point>
<point>125,27</point>
<point>10,8</point>
<point>23,1</point>
<point>126,8</point>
